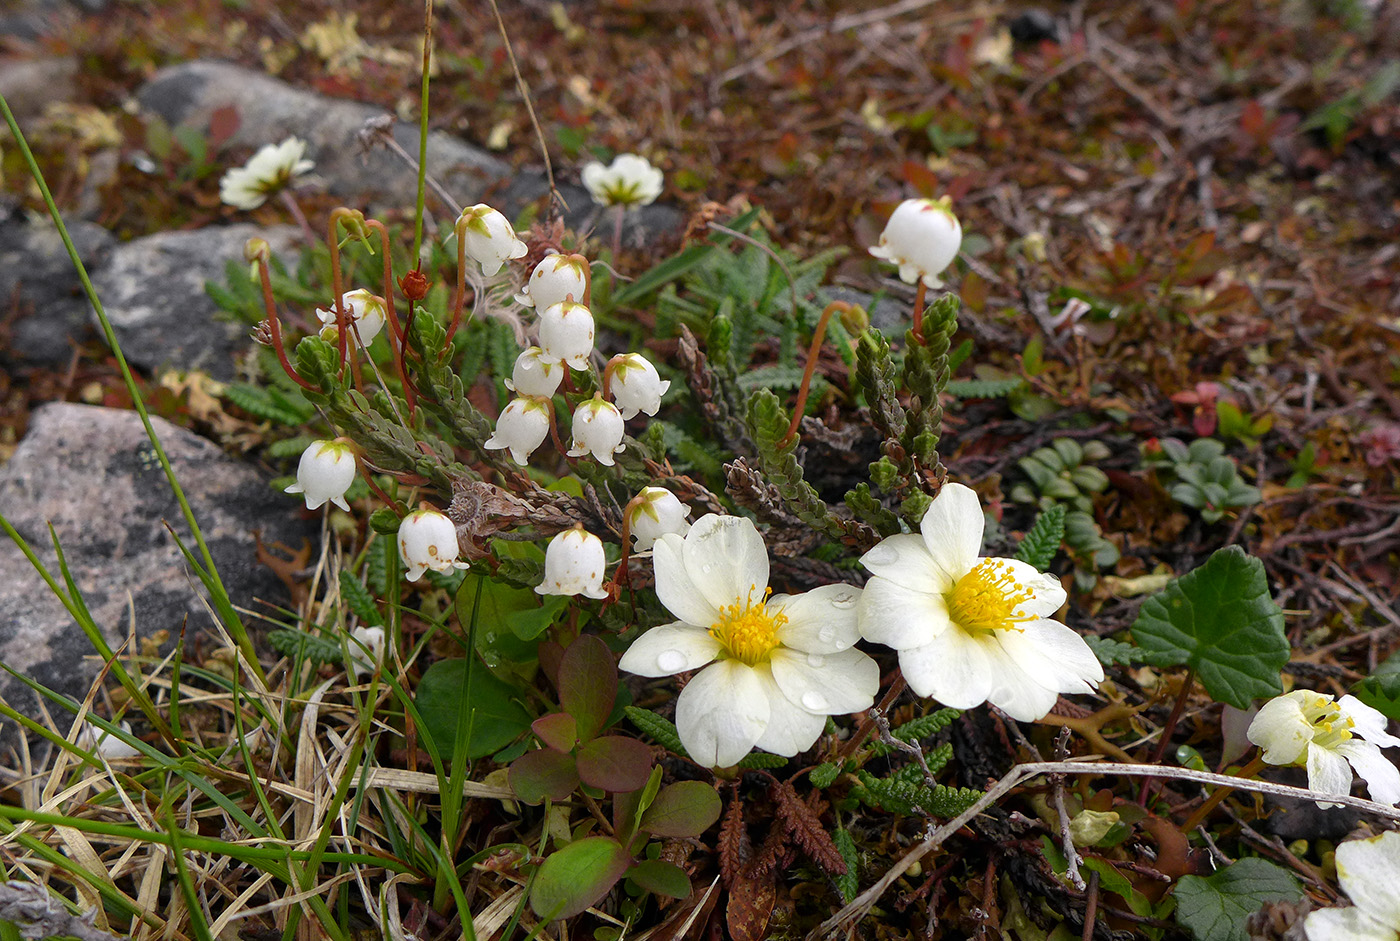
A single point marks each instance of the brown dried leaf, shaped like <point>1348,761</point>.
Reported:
<point>805,827</point>
<point>735,848</point>
<point>751,900</point>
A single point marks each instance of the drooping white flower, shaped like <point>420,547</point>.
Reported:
<point>628,181</point>
<point>1324,734</point>
<point>597,430</point>
<point>522,427</point>
<point>922,238</point>
<point>265,174</point>
<point>555,279</point>
<point>488,238</point>
<point>366,650</point>
<point>105,743</point>
<point>775,666</point>
<point>566,334</point>
<point>574,564</point>
<point>363,309</point>
<point>1369,871</point>
<point>326,470</point>
<point>971,630</point>
<point>428,540</point>
<point>656,512</point>
<point>535,374</point>
<point>636,385</point>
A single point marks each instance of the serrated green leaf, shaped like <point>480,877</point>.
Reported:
<point>824,774</point>
<point>303,646</point>
<point>982,388</point>
<point>848,882</point>
<point>360,600</point>
<point>1040,545</point>
<point>1110,652</point>
<point>758,760</point>
<point>661,730</point>
<point>1214,908</point>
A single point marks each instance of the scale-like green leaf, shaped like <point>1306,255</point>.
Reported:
<point>1214,908</point>
<point>1220,620</point>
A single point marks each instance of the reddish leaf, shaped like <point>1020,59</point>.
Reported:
<point>545,773</point>
<point>558,730</point>
<point>223,122</point>
<point>614,763</point>
<point>974,292</point>
<point>588,684</point>
<point>735,847</point>
<point>751,900</point>
<point>806,830</point>
<point>686,808</point>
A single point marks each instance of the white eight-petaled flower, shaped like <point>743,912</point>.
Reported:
<point>1324,735</point>
<point>1369,871</point>
<point>266,173</point>
<point>628,181</point>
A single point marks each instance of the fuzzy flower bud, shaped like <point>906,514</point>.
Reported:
<point>488,238</point>
<point>636,385</point>
<point>366,650</point>
<point>428,540</point>
<point>325,472</point>
<point>628,181</point>
<point>656,513</point>
<point>922,238</point>
<point>573,565</point>
<point>522,427</point>
<point>597,430</point>
<point>566,334</point>
<point>535,374</point>
<point>365,311</point>
<point>556,278</point>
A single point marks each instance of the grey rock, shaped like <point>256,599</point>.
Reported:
<point>153,291</point>
<point>92,474</point>
<point>31,84</point>
<point>32,19</point>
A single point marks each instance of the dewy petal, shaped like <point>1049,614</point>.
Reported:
<point>1047,594</point>
<point>1328,772</point>
<point>1281,730</point>
<point>905,559</point>
<point>722,713</point>
<point>1382,778</point>
<point>1053,654</point>
<point>1370,722</point>
<point>1345,924</point>
<point>952,530</point>
<point>673,585</point>
<point>823,620</point>
<point>900,617</point>
<point>791,729</point>
<point>828,684</point>
<point>955,669</point>
<point>669,649</point>
<point>726,559</point>
<point>1369,870</point>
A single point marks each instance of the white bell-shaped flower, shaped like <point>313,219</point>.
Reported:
<point>489,239</point>
<point>266,173</point>
<point>597,430</point>
<point>556,278</point>
<point>657,511</point>
<point>428,540</point>
<point>535,374</point>
<point>366,650</point>
<point>574,563</point>
<point>636,385</point>
<point>566,334</point>
<point>106,744</point>
<point>522,427</point>
<point>922,238</point>
<point>325,472</point>
<point>628,181</point>
<point>363,309</point>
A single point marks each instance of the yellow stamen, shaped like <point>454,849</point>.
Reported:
<point>987,598</point>
<point>748,632</point>
<point>1330,727</point>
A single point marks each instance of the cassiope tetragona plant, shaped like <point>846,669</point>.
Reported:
<point>922,238</point>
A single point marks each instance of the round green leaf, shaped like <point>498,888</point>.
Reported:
<point>543,773</point>
<point>1215,908</point>
<point>686,808</point>
<point>574,878</point>
<point>495,717</point>
<point>614,763</point>
<point>660,878</point>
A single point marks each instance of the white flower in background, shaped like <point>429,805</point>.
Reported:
<point>971,630</point>
<point>522,427</point>
<point>628,181</point>
<point>556,278</point>
<point>366,650</point>
<point>535,374</point>
<point>775,666</point>
<point>428,540</point>
<point>566,334</point>
<point>657,513</point>
<point>326,470</point>
<point>106,744</point>
<point>574,563</point>
<point>922,238</point>
<point>364,310</point>
<point>597,430</point>
<point>489,239</point>
<point>266,173</point>
<point>636,385</point>
<point>1323,734</point>
<point>1369,871</point>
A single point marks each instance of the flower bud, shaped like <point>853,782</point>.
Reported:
<point>566,334</point>
<point>365,661</point>
<point>636,385</point>
<point>656,513</point>
<point>488,238</point>
<point>364,310</point>
<point>597,430</point>
<point>629,180</point>
<point>534,374</point>
<point>105,743</point>
<point>522,427</point>
<point>922,238</point>
<point>855,320</point>
<point>428,540</point>
<point>556,278</point>
<point>325,472</point>
<point>573,565</point>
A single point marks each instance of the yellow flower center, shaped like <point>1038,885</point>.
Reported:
<point>748,632</point>
<point>1330,727</point>
<point>986,598</point>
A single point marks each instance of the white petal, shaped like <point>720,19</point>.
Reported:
<point>1370,723</point>
<point>1281,730</point>
<point>669,649</point>
<point>952,529</point>
<point>1382,778</point>
<point>905,559</point>
<point>823,620</point>
<point>955,669</point>
<point>726,559</point>
<point>1345,924</point>
<point>1369,870</point>
<point>828,684</point>
<point>1054,655</point>
<point>674,587</point>
<point>1016,692</point>
<point>1328,772</point>
<point>900,617</point>
<point>1047,594</point>
<point>722,713</point>
<point>791,729</point>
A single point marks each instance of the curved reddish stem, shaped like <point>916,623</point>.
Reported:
<point>275,326</point>
<point>460,300</point>
<point>813,352</point>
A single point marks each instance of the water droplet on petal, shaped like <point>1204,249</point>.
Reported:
<point>671,661</point>
<point>813,701</point>
<point>844,601</point>
<point>882,554</point>
<point>815,660</point>
<point>827,634</point>
<point>705,569</point>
